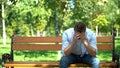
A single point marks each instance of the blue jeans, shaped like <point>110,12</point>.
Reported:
<point>72,58</point>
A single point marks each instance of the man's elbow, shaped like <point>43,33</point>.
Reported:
<point>93,54</point>
<point>66,53</point>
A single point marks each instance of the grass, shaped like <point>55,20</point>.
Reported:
<point>3,50</point>
<point>49,55</point>
<point>36,55</point>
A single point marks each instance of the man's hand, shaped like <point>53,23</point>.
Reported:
<point>83,37</point>
<point>76,36</point>
<point>68,49</point>
<point>79,36</point>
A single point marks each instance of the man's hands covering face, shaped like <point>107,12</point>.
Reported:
<point>80,36</point>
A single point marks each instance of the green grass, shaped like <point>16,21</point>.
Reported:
<point>36,55</point>
<point>49,55</point>
<point>3,50</point>
<point>104,55</point>
<point>117,45</point>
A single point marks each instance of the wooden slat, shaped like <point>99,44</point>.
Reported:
<point>36,39</point>
<point>108,64</point>
<point>104,39</point>
<point>54,64</point>
<point>32,64</point>
<point>105,46</point>
<point>37,46</point>
<point>102,64</point>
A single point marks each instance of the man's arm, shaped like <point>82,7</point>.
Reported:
<point>91,50</point>
<point>68,49</point>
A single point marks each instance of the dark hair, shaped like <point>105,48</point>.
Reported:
<point>80,27</point>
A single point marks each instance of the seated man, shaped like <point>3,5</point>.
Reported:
<point>79,46</point>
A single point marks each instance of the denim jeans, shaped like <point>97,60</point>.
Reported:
<point>72,58</point>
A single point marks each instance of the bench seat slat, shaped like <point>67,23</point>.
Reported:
<point>53,64</point>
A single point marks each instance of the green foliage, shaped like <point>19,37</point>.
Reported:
<point>83,11</point>
<point>40,25</point>
<point>27,14</point>
<point>117,26</point>
<point>102,23</point>
<point>54,16</point>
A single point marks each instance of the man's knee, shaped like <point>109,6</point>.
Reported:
<point>96,61</point>
<point>64,59</point>
<point>64,62</point>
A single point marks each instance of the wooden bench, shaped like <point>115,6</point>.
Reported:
<point>53,43</point>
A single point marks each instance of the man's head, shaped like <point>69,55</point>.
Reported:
<point>80,27</point>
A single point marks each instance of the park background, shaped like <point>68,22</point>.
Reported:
<point>52,17</point>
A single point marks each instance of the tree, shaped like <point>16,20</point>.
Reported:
<point>30,13</point>
<point>54,16</point>
<point>3,23</point>
<point>102,24</point>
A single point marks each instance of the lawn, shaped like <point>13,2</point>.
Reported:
<point>51,55</point>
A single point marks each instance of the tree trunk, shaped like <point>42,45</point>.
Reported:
<point>56,31</point>
<point>56,20</point>
<point>3,25</point>
<point>117,32</point>
<point>32,33</point>
<point>96,30</point>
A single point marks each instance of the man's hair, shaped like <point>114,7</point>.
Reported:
<point>79,27</point>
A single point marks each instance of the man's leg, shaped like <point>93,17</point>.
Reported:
<point>66,60</point>
<point>94,61</point>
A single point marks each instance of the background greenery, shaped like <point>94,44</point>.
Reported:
<point>52,17</point>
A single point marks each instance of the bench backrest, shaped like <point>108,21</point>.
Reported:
<point>36,43</point>
<point>53,43</point>
<point>105,43</point>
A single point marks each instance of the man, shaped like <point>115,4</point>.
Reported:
<point>79,46</point>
